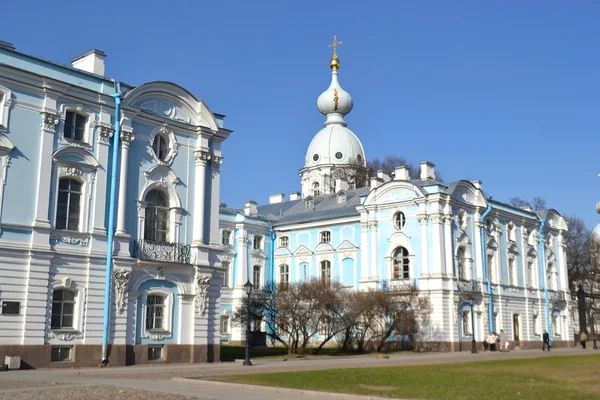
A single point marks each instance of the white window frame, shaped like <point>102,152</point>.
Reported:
<point>224,320</point>
<point>325,235</point>
<point>402,217</point>
<point>167,331</point>
<point>172,145</point>
<point>287,274</point>
<point>226,235</point>
<point>284,241</point>
<point>84,175</point>
<point>226,276</point>
<point>257,239</point>
<point>90,124</point>
<point>326,263</point>
<point>65,283</point>
<point>260,272</point>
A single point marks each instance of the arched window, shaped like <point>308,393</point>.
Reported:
<point>461,264</point>
<point>326,271</point>
<point>401,264</point>
<point>284,274</point>
<point>157,217</point>
<point>68,208</point>
<point>63,308</point>
<point>160,147</point>
<point>315,188</point>
<point>256,277</point>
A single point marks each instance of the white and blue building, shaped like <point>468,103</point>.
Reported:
<point>57,127</point>
<point>447,239</point>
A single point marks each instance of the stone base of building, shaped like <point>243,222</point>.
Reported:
<point>81,355</point>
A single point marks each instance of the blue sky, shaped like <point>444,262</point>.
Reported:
<point>501,91</point>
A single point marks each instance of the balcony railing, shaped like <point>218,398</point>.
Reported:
<point>398,285</point>
<point>165,252</point>
<point>557,296</point>
<point>468,286</point>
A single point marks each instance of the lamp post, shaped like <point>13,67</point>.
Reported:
<point>473,342</point>
<point>248,290</point>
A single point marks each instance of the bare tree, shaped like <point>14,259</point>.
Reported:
<point>389,164</point>
<point>538,203</point>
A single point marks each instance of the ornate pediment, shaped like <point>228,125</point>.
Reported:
<point>165,108</point>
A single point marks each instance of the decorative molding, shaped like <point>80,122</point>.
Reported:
<point>72,171</point>
<point>127,138</point>
<point>104,134</point>
<point>64,335</point>
<point>158,336</point>
<point>49,121</point>
<point>217,161</point>
<point>121,279</point>
<point>423,218</point>
<point>202,285</point>
<point>364,225</point>
<point>202,157</point>
<point>373,224</point>
<point>172,144</point>
<point>56,238</point>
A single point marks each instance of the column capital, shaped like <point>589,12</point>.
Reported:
<point>364,225</point>
<point>373,225</point>
<point>423,218</point>
<point>126,138</point>
<point>217,161</point>
<point>448,219</point>
<point>104,134</point>
<point>202,157</point>
<point>49,121</point>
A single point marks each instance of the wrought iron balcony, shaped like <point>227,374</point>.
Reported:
<point>468,286</point>
<point>398,285</point>
<point>557,296</point>
<point>165,252</point>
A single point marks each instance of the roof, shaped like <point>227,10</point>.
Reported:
<point>325,207</point>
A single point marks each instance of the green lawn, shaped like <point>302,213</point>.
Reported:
<point>564,378</point>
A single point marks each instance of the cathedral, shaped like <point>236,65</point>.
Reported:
<point>115,247</point>
<point>448,240</point>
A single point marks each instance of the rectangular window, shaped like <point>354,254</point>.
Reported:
<point>284,241</point>
<point>63,309</point>
<point>224,324</point>
<point>68,204</point>
<point>257,242</point>
<point>60,353</point>
<point>154,353</point>
<point>325,237</point>
<point>256,277</point>
<point>74,126</point>
<point>284,274</point>
<point>155,306</point>
<point>225,265</point>
<point>466,322</point>
<point>326,271</point>
<point>225,237</point>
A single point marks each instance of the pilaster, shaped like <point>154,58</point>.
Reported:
<point>373,266</point>
<point>438,260</point>
<point>448,243</point>
<point>424,220</point>
<point>127,137</point>
<point>105,133</point>
<point>364,250</point>
<point>50,120</point>
<point>215,192</point>
<point>35,303</point>
<point>201,158</point>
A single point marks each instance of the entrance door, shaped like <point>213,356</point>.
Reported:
<point>516,327</point>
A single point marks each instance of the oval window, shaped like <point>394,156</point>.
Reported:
<point>399,220</point>
<point>339,155</point>
<point>316,157</point>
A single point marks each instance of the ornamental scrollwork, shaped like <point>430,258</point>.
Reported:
<point>72,171</point>
<point>49,121</point>
<point>55,239</point>
<point>104,134</point>
<point>127,138</point>
<point>202,157</point>
<point>423,218</point>
<point>121,280</point>
<point>202,285</point>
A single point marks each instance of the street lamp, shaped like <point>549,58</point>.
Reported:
<point>473,342</point>
<point>248,290</point>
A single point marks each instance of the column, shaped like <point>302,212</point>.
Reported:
<point>201,157</point>
<point>373,266</point>
<point>448,243</point>
<point>364,250</point>
<point>438,260</point>
<point>105,133</point>
<point>242,257</point>
<point>49,121</point>
<point>127,136</point>
<point>424,220</point>
<point>215,191</point>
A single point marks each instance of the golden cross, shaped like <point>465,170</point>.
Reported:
<point>334,45</point>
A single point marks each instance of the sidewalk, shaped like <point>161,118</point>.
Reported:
<point>155,382</point>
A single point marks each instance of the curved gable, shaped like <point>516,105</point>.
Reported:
<point>555,220</point>
<point>392,192</point>
<point>466,192</point>
<point>75,155</point>
<point>171,101</point>
<point>6,146</point>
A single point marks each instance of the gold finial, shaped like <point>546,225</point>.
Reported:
<point>334,63</point>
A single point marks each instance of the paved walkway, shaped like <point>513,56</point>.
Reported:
<point>156,382</point>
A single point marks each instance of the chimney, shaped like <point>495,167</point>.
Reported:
<point>276,198</point>
<point>402,173</point>
<point>294,196</point>
<point>427,170</point>
<point>250,208</point>
<point>92,61</point>
<point>341,184</point>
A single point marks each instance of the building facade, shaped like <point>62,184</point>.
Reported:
<point>56,148</point>
<point>448,240</point>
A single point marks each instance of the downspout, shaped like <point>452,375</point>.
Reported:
<point>111,224</point>
<point>486,279</point>
<point>543,278</point>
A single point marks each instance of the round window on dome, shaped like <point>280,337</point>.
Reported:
<point>359,158</point>
<point>339,155</point>
<point>316,157</point>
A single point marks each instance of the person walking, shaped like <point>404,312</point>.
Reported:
<point>582,339</point>
<point>503,340</point>
<point>491,339</point>
<point>546,339</point>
